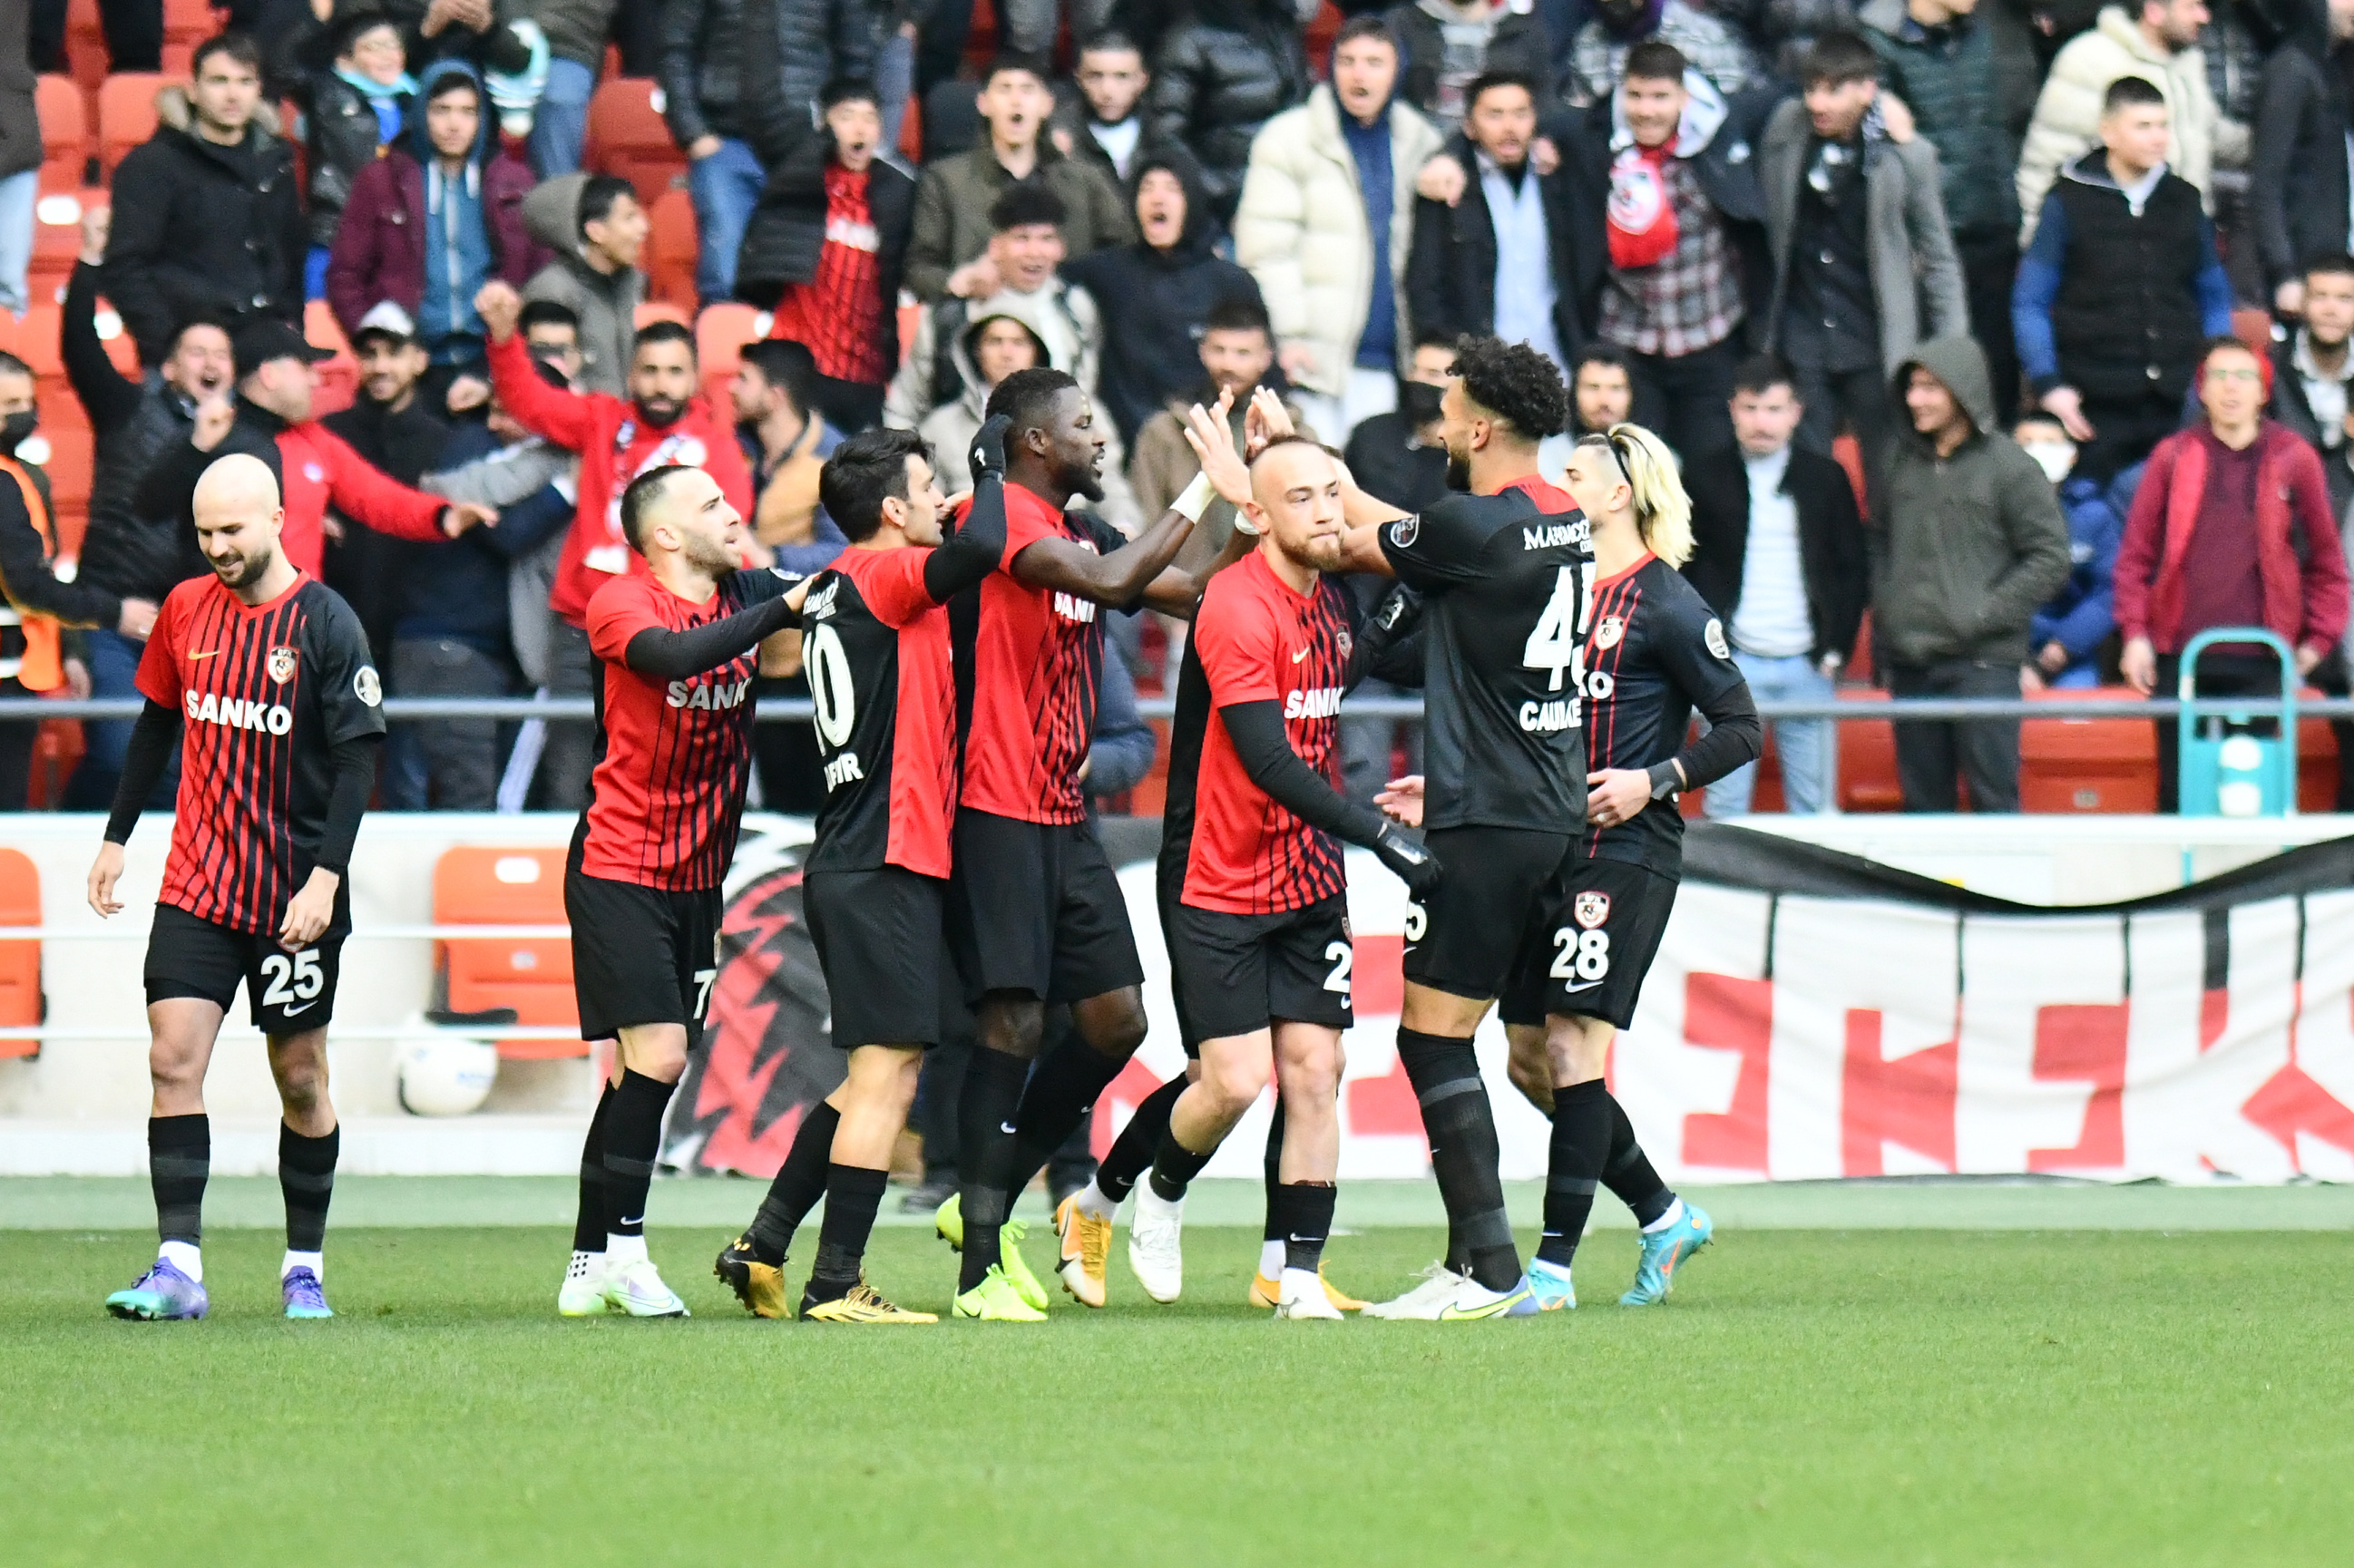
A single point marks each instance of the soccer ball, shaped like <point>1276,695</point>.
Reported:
<point>446,1075</point>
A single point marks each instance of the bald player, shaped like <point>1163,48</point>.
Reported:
<point>259,675</point>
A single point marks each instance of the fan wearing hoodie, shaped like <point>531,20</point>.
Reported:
<point>597,228</point>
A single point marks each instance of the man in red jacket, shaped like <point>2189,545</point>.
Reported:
<point>2231,527</point>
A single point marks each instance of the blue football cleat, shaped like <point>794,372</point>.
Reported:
<point>305,1297</point>
<point>1663,1252</point>
<point>163,1295</point>
<point>1550,1281</point>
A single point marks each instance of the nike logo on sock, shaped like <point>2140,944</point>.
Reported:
<point>1006,1128</point>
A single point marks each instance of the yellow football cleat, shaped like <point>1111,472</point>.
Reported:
<point>1085,1244</point>
<point>1265,1293</point>
<point>995,1300</point>
<point>759,1286</point>
<point>862,1305</point>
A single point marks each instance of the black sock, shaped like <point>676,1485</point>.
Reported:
<point>1058,1099</point>
<point>1461,1127</point>
<point>1276,1228</point>
<point>180,1159</point>
<point>1131,1154</point>
<point>853,1194</point>
<point>800,1182</point>
<point>1627,1171</point>
<point>632,1140</point>
<point>589,1225</point>
<point>1581,1142</point>
<point>307,1178</point>
<point>1306,1223</point>
<point>992,1092</point>
<point>1174,1166</point>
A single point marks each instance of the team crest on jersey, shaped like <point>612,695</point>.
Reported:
<point>1590,909</point>
<point>1714,637</point>
<point>1403,531</point>
<point>1608,630</point>
<point>282,662</point>
<point>366,687</point>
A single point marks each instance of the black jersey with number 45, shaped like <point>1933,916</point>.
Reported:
<point>1507,581</point>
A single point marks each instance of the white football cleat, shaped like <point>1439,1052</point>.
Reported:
<point>1304,1297</point>
<point>1426,1300</point>
<point>582,1294</point>
<point>636,1289</point>
<point>1156,1252</point>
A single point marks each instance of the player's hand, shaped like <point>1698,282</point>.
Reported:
<point>1267,419</point>
<point>1413,864</point>
<point>1213,441</point>
<point>1617,795</point>
<point>307,912</point>
<point>215,417</point>
<point>104,873</point>
<point>95,223</point>
<point>500,307</point>
<point>986,455</point>
<point>1442,179</point>
<point>461,515</point>
<point>1402,799</point>
<point>138,618</point>
<point>2138,664</point>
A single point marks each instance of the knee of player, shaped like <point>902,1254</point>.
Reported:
<point>1234,1084</point>
<point>1116,1026</point>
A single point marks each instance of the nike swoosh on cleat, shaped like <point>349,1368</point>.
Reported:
<point>1006,1128</point>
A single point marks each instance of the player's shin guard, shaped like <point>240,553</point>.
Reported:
<point>1581,1143</point>
<point>179,1163</point>
<point>1131,1154</point>
<point>632,1140</point>
<point>992,1091</point>
<point>1627,1171</point>
<point>1307,1210</point>
<point>1461,1127</point>
<point>1058,1099</point>
<point>589,1225</point>
<point>307,1178</point>
<point>853,1194</point>
<point>800,1182</point>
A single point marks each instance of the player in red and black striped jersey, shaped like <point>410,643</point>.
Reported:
<point>677,643</point>
<point>875,640</point>
<point>261,677</point>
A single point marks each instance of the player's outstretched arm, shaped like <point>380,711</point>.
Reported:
<point>1224,475</point>
<point>673,655</point>
<point>1388,647</point>
<point>1361,547</point>
<point>1256,729</point>
<point>973,551</point>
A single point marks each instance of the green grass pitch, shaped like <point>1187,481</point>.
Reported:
<point>1881,1397</point>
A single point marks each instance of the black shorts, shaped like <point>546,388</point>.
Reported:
<point>1238,973</point>
<point>1169,885</point>
<point>1589,957</point>
<point>1037,908</point>
<point>878,940</point>
<point>289,993</point>
<point>641,955</point>
<point>1465,939</point>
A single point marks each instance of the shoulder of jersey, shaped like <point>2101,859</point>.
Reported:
<point>331,607</point>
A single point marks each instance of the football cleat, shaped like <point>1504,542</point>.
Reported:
<point>163,1295</point>
<point>949,1222</point>
<point>582,1295</point>
<point>861,1305</point>
<point>636,1289</point>
<point>759,1286</point>
<point>996,1300</point>
<point>1663,1251</point>
<point>1551,1282</point>
<point>1307,1296</point>
<point>1266,1293</point>
<point>1156,1252</point>
<point>1474,1301</point>
<point>1086,1243</point>
<point>305,1297</point>
<point>1439,1284</point>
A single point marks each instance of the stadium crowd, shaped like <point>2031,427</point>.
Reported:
<point>1935,298</point>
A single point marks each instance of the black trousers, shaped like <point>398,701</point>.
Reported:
<point>134,34</point>
<point>1989,258</point>
<point>1932,756</point>
<point>1854,401</point>
<point>2124,430</point>
<point>1685,398</point>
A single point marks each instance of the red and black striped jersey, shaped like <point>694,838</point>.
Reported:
<point>672,755</point>
<point>876,649</point>
<point>1262,641</point>
<point>265,691</point>
<point>1031,658</point>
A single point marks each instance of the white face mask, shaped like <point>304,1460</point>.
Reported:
<point>2054,458</point>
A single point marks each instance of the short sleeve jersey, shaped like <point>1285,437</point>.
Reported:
<point>1261,640</point>
<point>265,691</point>
<point>1034,656</point>
<point>672,755</point>
<point>1656,651</point>
<point>876,649</point>
<point>1507,582</point>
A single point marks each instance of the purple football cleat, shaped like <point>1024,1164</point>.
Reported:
<point>163,1295</point>
<point>304,1296</point>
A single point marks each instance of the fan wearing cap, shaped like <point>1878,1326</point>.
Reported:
<point>270,419</point>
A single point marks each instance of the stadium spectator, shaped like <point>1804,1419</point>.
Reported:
<point>2066,636</point>
<point>1782,31</point>
<point>2298,179</point>
<point>1237,352</point>
<point>1326,226</point>
<point>597,230</point>
<point>1971,542</point>
<point>785,441</point>
<point>208,218</point>
<point>1710,46</point>
<point>20,163</point>
<point>481,32</point>
<point>2231,526</point>
<point>1108,127</point>
<point>1778,554</point>
<point>2313,374</point>
<point>2156,41</point>
<point>712,83</point>
<point>950,253</point>
<point>1509,259</point>
<point>988,351</point>
<point>1168,282</point>
<point>1601,390</point>
<point>576,31</point>
<point>1966,69</point>
<point>397,431</point>
<point>1864,261</point>
<point>2118,289</point>
<point>133,31</point>
<point>827,246</point>
<point>1445,45</point>
<point>1029,27</point>
<point>351,111</point>
<point>1221,73</point>
<point>431,221</point>
<point>552,332</point>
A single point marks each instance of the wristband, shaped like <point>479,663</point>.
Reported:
<point>1194,499</point>
<point>1665,780</point>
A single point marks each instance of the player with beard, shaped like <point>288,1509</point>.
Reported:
<point>259,676</point>
<point>1035,914</point>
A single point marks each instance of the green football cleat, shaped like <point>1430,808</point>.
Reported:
<point>949,1222</point>
<point>996,1299</point>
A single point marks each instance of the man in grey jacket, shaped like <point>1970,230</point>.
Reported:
<point>1972,541</point>
<point>1863,259</point>
<point>597,228</point>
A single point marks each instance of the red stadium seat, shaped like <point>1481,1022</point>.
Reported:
<point>477,886</point>
<point>188,23</point>
<point>720,334</point>
<point>653,311</point>
<point>671,251</point>
<point>339,378</point>
<point>1867,761</point>
<point>65,133</point>
<point>126,116</point>
<point>2318,762</point>
<point>2106,766</point>
<point>85,45</point>
<point>68,464</point>
<point>1322,28</point>
<point>56,240</point>
<point>21,1002</point>
<point>628,136</point>
<point>37,346</point>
